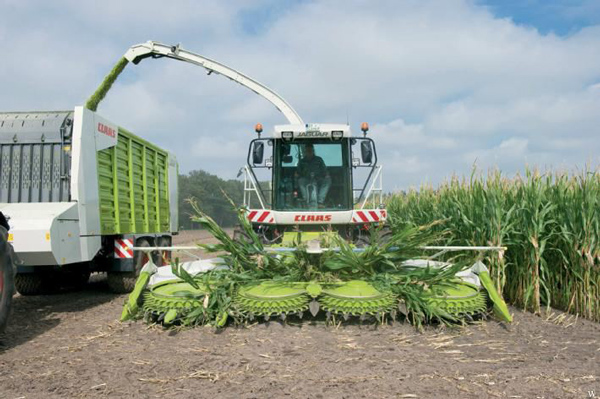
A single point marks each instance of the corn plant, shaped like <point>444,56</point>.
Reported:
<point>550,223</point>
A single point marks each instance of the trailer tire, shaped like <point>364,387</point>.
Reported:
<point>124,282</point>
<point>121,282</point>
<point>162,256</point>
<point>29,283</point>
<point>7,274</point>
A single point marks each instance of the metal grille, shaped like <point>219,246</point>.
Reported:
<point>35,156</point>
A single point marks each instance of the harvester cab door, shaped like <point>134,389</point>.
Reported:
<point>260,164</point>
<point>364,166</point>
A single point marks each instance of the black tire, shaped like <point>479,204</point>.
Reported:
<point>158,256</point>
<point>51,281</point>
<point>362,242</point>
<point>7,274</point>
<point>383,237</point>
<point>29,283</point>
<point>124,282</point>
<point>240,235</point>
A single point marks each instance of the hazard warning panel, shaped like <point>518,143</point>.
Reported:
<point>123,248</point>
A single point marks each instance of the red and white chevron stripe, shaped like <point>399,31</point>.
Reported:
<point>260,216</point>
<point>123,248</point>
<point>369,215</point>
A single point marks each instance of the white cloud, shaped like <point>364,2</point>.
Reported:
<point>229,155</point>
<point>514,148</point>
<point>441,82</point>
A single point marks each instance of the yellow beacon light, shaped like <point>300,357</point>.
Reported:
<point>364,127</point>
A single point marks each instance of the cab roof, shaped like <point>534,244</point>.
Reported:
<point>311,130</point>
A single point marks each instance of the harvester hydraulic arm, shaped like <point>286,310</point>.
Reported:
<point>152,49</point>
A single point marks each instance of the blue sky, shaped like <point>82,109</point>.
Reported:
<point>444,84</point>
<point>562,17</point>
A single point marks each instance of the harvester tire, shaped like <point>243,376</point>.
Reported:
<point>7,274</point>
<point>384,236</point>
<point>29,283</point>
<point>124,282</point>
<point>239,235</point>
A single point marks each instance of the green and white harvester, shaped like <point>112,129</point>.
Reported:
<point>314,237</point>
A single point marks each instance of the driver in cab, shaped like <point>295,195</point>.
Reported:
<point>313,178</point>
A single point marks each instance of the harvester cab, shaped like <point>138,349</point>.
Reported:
<point>318,177</point>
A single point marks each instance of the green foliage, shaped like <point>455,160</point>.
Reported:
<point>208,191</point>
<point>550,223</point>
<point>383,255</point>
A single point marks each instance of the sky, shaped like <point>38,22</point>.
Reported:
<point>444,84</point>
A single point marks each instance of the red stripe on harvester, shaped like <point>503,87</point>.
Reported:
<point>251,215</point>
<point>263,216</point>
<point>271,220</point>
<point>374,215</point>
<point>362,216</point>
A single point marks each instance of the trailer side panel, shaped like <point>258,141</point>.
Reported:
<point>133,187</point>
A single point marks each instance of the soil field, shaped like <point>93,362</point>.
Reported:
<point>71,345</point>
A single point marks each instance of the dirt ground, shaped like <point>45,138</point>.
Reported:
<point>72,346</point>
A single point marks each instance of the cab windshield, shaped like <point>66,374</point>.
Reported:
<point>312,175</point>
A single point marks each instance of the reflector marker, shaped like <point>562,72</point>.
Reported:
<point>123,248</point>
<point>374,215</point>
<point>263,217</point>
<point>369,216</point>
<point>362,215</point>
<point>260,217</point>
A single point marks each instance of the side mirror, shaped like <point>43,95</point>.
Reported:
<point>258,153</point>
<point>366,152</point>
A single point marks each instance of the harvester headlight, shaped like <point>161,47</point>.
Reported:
<point>337,134</point>
<point>287,135</point>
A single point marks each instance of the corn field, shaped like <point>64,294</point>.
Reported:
<point>549,222</point>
